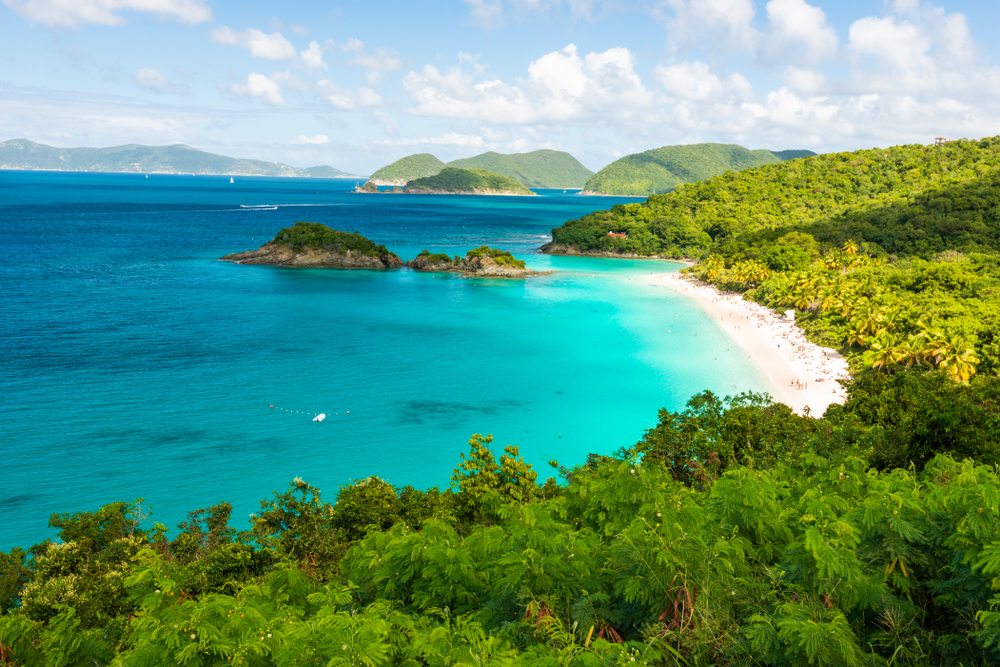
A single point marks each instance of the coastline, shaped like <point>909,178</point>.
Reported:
<point>778,346</point>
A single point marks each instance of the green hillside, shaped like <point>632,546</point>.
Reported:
<point>404,170</point>
<point>24,154</point>
<point>467,181</point>
<point>538,169</point>
<point>315,235</point>
<point>663,169</point>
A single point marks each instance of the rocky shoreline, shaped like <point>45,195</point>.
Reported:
<point>478,267</point>
<point>275,254</point>
<point>553,248</point>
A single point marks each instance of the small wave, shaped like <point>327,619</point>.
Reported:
<point>259,208</point>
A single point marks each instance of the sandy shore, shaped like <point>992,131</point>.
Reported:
<point>803,374</point>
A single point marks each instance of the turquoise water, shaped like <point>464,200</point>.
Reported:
<point>136,364</point>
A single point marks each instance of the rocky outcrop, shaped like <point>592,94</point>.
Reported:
<point>276,254</point>
<point>368,188</point>
<point>479,267</point>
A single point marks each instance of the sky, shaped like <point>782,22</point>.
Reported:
<point>357,85</point>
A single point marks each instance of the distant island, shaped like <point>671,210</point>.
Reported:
<point>135,158</point>
<point>454,181</point>
<point>314,245</point>
<point>661,170</point>
<point>537,169</point>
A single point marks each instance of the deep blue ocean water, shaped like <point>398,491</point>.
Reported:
<point>134,364</point>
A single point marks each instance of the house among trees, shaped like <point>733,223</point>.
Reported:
<point>617,235</point>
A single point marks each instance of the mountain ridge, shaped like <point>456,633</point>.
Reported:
<point>139,158</point>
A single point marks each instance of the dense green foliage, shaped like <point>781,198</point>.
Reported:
<point>537,169</point>
<point>663,169</point>
<point>435,257</point>
<point>467,181</point>
<point>315,235</point>
<point>732,533</point>
<point>24,154</point>
<point>406,169</point>
<point>499,256</point>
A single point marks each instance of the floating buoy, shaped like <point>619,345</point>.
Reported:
<point>319,418</point>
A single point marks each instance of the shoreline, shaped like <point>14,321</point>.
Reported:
<point>778,346</point>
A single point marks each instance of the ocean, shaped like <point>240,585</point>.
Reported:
<point>137,365</point>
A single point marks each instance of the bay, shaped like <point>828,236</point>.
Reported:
<point>137,365</point>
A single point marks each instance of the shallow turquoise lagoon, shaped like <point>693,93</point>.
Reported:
<point>135,364</point>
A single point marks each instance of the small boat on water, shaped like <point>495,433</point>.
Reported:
<point>319,418</point>
<point>230,179</point>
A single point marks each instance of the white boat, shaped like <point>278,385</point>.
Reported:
<point>230,179</point>
<point>319,418</point>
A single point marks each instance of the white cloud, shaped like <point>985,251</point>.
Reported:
<point>487,13</point>
<point>71,13</point>
<point>154,81</point>
<point>318,140</point>
<point>450,139</point>
<point>375,64</point>
<point>258,85</point>
<point>797,24</point>
<point>695,81</point>
<point>349,100</point>
<point>257,42</point>
<point>352,45</point>
<point>561,87</point>
<point>722,25</point>
<point>312,57</point>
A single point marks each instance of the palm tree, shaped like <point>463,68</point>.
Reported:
<point>850,247</point>
<point>957,357</point>
<point>884,352</point>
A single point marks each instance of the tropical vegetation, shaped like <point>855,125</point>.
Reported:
<point>663,169</point>
<point>499,256</point>
<point>306,235</point>
<point>467,181</point>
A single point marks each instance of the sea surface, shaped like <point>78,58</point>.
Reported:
<point>134,364</point>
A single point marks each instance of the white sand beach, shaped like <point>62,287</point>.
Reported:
<point>803,374</point>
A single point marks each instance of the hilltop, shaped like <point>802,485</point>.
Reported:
<point>538,169</point>
<point>663,169</point>
<point>136,158</point>
<point>312,245</point>
<point>456,181</point>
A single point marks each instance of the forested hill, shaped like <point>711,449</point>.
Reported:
<point>452,180</point>
<point>406,169</point>
<point>538,169</point>
<point>176,159</point>
<point>912,200</point>
<point>663,169</point>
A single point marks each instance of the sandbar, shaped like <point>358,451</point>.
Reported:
<point>804,374</point>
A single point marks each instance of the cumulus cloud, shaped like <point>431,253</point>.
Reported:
<point>154,81</point>
<point>352,45</point>
<point>312,57</point>
<point>561,87</point>
<point>318,140</point>
<point>449,139</point>
<point>260,86</point>
<point>376,64</point>
<point>696,81</point>
<point>797,26</point>
<point>349,100</point>
<point>257,42</point>
<point>71,13</point>
<point>720,25</point>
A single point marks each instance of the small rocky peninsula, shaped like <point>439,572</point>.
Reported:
<point>454,181</point>
<point>312,245</point>
<point>483,262</point>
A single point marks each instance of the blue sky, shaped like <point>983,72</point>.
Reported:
<point>356,85</point>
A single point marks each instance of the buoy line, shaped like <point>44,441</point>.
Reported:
<point>317,416</point>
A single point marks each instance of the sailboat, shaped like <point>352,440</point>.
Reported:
<point>230,179</point>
